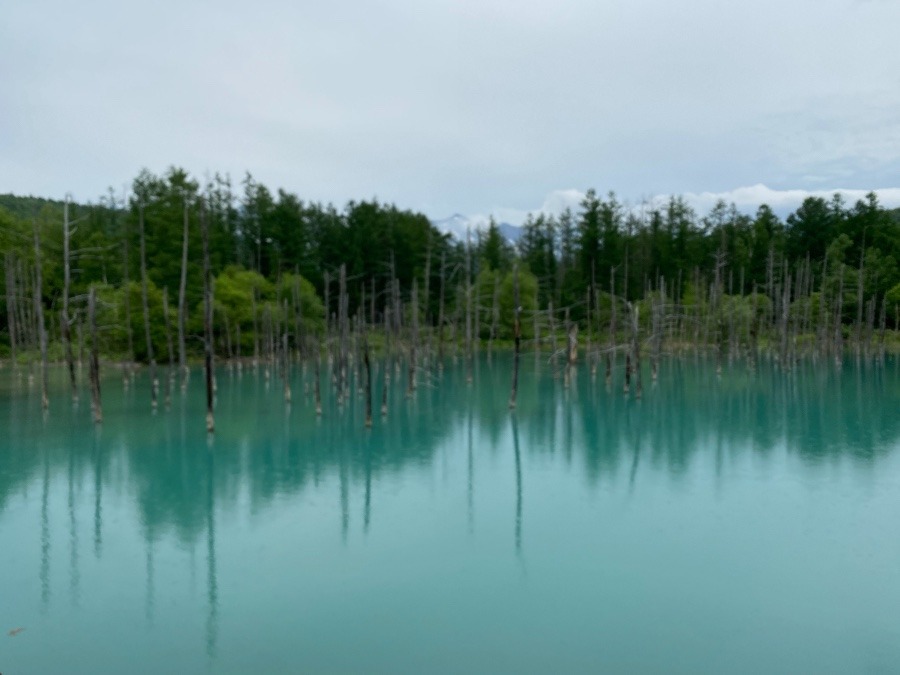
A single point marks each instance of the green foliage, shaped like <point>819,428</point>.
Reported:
<point>266,246</point>
<point>893,296</point>
<point>301,297</point>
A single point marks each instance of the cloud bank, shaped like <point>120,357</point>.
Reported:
<point>747,200</point>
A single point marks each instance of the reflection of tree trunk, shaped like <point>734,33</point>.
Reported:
<point>212,587</point>
<point>345,493</point>
<point>367,505</point>
<point>74,575</point>
<point>44,573</point>
<point>368,376</point>
<point>515,434</point>
<point>470,474</point>
<point>98,497</point>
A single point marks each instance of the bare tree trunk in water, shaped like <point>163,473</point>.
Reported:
<point>414,339</point>
<point>255,311</point>
<point>468,308</point>
<point>171,348</point>
<point>368,381</point>
<point>66,321</point>
<point>517,337</point>
<point>838,324</point>
<point>318,382</point>
<point>285,362</point>
<point>426,314</point>
<point>495,312</point>
<point>636,350</point>
<point>610,351</point>
<point>154,381</point>
<point>441,310</point>
<point>386,375</point>
<point>182,290</point>
<point>39,315</point>
<point>207,322</point>
<point>11,306</point>
<point>126,284</point>
<point>96,406</point>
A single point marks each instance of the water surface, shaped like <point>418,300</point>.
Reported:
<point>742,523</point>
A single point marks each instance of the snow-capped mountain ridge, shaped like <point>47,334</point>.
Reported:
<point>458,225</point>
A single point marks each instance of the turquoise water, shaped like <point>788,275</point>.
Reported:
<point>744,523</point>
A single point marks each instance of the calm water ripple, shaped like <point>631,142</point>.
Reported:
<point>737,523</point>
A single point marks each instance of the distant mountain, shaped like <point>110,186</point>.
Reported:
<point>511,232</point>
<point>458,224</point>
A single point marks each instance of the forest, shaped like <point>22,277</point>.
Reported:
<point>286,272</point>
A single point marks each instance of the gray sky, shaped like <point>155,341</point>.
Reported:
<point>475,106</point>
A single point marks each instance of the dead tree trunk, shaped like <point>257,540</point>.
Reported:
<point>126,300</point>
<point>154,381</point>
<point>414,338</point>
<point>611,347</point>
<point>11,306</point>
<point>386,375</point>
<point>572,343</point>
<point>285,362</point>
<point>495,312</point>
<point>838,320</point>
<point>207,322</point>
<point>427,281</point>
<point>94,371</point>
<point>318,383</point>
<point>860,278</point>
<point>39,316</point>
<point>468,308</point>
<point>823,331</point>
<point>636,350</point>
<point>517,337</point>
<point>657,328</point>
<point>169,346</point>
<point>344,317</point>
<point>255,311</point>
<point>66,322</point>
<point>368,366</point>
<point>441,310</point>
<point>182,290</point>
<point>298,318</point>
<point>554,346</point>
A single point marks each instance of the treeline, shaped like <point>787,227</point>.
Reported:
<point>277,260</point>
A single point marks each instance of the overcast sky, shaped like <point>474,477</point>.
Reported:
<point>472,106</point>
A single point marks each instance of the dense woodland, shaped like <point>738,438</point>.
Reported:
<point>284,268</point>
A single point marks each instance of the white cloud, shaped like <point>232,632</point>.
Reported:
<point>747,199</point>
<point>451,105</point>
